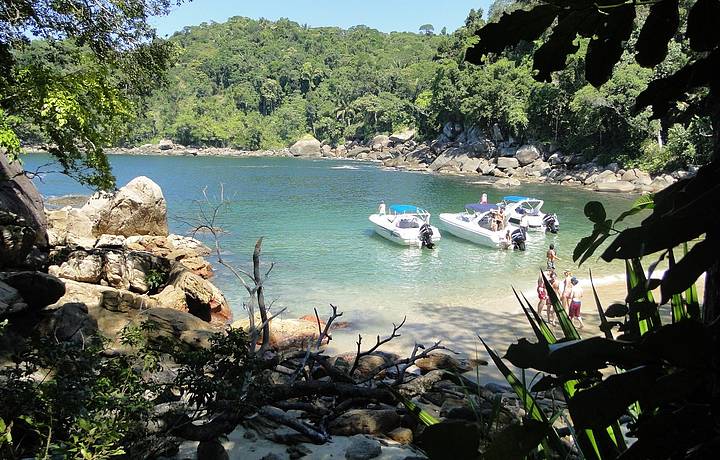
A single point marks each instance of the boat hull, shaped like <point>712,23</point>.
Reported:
<point>405,236</point>
<point>453,224</point>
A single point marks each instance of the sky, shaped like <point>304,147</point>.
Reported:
<point>384,15</point>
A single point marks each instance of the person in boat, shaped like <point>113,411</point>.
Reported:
<point>500,217</point>
<point>576,294</point>
<point>381,208</point>
<point>551,257</point>
<point>524,223</point>
<point>483,198</point>
<point>493,222</point>
<point>567,290</point>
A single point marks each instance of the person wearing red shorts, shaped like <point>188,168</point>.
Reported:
<point>543,300</point>
<point>575,302</point>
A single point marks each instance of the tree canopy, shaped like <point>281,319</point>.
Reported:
<point>80,82</point>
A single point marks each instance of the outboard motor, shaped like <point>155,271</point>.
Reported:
<point>426,236</point>
<point>517,238</point>
<point>551,222</point>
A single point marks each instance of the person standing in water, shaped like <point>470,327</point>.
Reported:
<point>483,198</point>
<point>381,208</point>
<point>551,257</point>
<point>576,302</point>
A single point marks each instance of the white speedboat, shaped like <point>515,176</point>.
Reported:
<point>476,225</point>
<point>407,225</point>
<point>525,210</point>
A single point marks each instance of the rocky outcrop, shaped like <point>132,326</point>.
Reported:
<point>23,226</point>
<point>527,154</point>
<point>138,208</point>
<point>309,147</point>
<point>177,325</point>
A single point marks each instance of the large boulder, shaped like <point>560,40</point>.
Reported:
<point>307,147</point>
<point>166,144</point>
<point>403,136</point>
<point>201,298</point>
<point>527,154</point>
<point>11,302</point>
<point>70,226</point>
<point>38,289</point>
<point>617,186</point>
<point>379,142</point>
<point>80,266</point>
<point>178,325</point>
<point>139,208</point>
<point>507,163</point>
<point>637,176</point>
<point>18,195</point>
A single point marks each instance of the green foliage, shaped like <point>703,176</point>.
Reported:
<point>155,279</point>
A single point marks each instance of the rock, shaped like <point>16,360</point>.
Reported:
<point>403,136</point>
<point>442,361</point>
<point>590,179</point>
<point>17,239</point>
<point>211,450</point>
<point>365,421</point>
<point>618,186</point>
<point>327,151</point>
<point>606,176</point>
<point>307,147</point>
<point>486,168</point>
<point>71,227</point>
<point>637,176</point>
<point>19,196</point>
<point>37,289</point>
<point>11,302</point>
<point>527,154</point>
<point>69,323</point>
<point>614,167</point>
<point>166,144</point>
<point>174,324</point>
<point>660,183</point>
<point>507,182</point>
<point>363,448</point>
<point>138,208</point>
<point>80,266</point>
<point>379,142</point>
<point>110,241</point>
<point>355,152</point>
<point>401,435</point>
<point>507,163</point>
<point>470,165</point>
<point>202,298</point>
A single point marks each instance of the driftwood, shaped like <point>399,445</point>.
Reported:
<point>278,416</point>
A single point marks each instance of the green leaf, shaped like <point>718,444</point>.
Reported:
<point>517,441</point>
<point>657,31</point>
<point>595,211</point>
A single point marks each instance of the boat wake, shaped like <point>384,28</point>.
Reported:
<point>344,167</point>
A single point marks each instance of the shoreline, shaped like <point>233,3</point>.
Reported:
<point>504,167</point>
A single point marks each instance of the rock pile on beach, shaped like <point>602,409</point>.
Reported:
<point>120,266</point>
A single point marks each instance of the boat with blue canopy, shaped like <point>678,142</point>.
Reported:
<point>480,223</point>
<point>405,224</point>
<point>525,211</point>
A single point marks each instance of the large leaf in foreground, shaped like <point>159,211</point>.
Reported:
<point>516,441</point>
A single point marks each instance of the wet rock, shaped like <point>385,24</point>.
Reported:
<point>363,448</point>
<point>365,421</point>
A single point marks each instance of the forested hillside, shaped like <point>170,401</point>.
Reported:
<point>255,84</point>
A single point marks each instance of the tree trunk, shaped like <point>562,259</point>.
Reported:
<point>711,299</point>
<point>260,296</point>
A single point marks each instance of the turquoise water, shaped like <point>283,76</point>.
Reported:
<point>314,218</point>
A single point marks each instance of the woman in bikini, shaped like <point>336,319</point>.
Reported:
<point>567,290</point>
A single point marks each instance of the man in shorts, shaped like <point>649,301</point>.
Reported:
<point>575,302</point>
<point>551,257</point>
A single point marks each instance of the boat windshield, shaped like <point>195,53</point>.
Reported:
<point>407,209</point>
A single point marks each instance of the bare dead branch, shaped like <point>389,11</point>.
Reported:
<point>277,415</point>
<point>378,344</point>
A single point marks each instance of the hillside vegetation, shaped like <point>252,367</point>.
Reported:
<point>259,84</point>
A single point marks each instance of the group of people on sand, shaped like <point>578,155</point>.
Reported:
<point>570,292</point>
